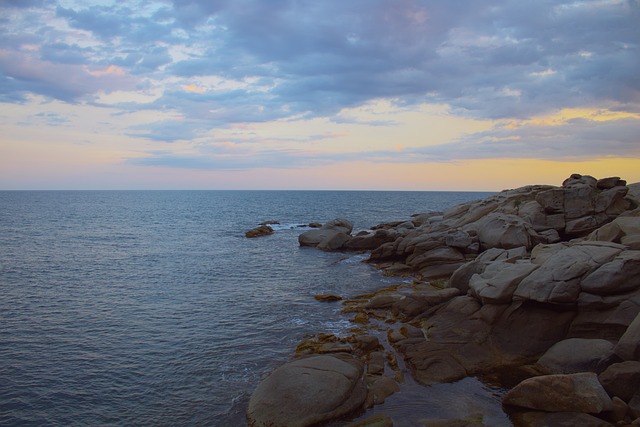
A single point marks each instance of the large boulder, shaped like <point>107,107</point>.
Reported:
<point>558,279</point>
<point>505,231</point>
<point>308,391</point>
<point>622,274</point>
<point>499,280</point>
<point>575,355</point>
<point>561,393</point>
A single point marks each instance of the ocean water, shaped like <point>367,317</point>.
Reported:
<point>151,308</point>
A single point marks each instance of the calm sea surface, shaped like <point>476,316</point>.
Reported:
<point>151,307</point>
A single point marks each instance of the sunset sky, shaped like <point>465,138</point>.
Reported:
<point>285,94</point>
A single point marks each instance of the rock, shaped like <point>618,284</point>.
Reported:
<point>634,405</point>
<point>575,355</point>
<point>308,391</point>
<point>620,409</point>
<point>561,393</point>
<point>557,419</point>
<point>331,236</point>
<point>622,274</point>
<point>499,280</point>
<point>552,201</point>
<point>327,297</point>
<point>262,230</point>
<point>458,239</point>
<point>628,347</point>
<point>621,379</point>
<point>581,180</point>
<point>375,363</point>
<point>371,241</point>
<point>579,201</point>
<point>610,182</point>
<point>437,256</point>
<point>612,201</point>
<point>558,279</point>
<point>334,242</point>
<point>380,387</point>
<point>504,231</point>
<point>584,225</point>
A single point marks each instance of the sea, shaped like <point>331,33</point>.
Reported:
<point>151,308</point>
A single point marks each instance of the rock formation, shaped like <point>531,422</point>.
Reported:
<point>542,279</point>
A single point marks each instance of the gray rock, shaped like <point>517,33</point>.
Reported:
<point>308,391</point>
<point>621,379</point>
<point>610,198</point>
<point>561,393</point>
<point>552,201</point>
<point>499,280</point>
<point>610,182</point>
<point>628,347</point>
<point>370,241</point>
<point>579,201</point>
<point>584,225</point>
<point>331,236</point>
<point>575,355</point>
<point>458,239</point>
<point>558,279</point>
<point>504,231</point>
<point>620,275</point>
<point>440,255</point>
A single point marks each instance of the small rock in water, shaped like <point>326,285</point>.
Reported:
<point>327,297</point>
<point>263,230</point>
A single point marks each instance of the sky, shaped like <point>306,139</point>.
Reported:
<point>301,94</point>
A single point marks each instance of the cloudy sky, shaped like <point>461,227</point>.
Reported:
<point>301,94</point>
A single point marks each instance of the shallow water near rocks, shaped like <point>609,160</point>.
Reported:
<point>151,308</point>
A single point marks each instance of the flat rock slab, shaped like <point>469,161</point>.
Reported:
<point>308,391</point>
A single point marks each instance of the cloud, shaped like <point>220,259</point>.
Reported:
<point>284,59</point>
<point>573,140</point>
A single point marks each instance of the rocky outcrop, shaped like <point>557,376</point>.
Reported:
<point>540,278</point>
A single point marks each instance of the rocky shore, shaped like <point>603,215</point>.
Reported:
<point>537,287</point>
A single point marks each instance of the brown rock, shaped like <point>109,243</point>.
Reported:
<point>262,230</point>
<point>328,297</point>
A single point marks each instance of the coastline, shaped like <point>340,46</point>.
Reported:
<point>483,303</point>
